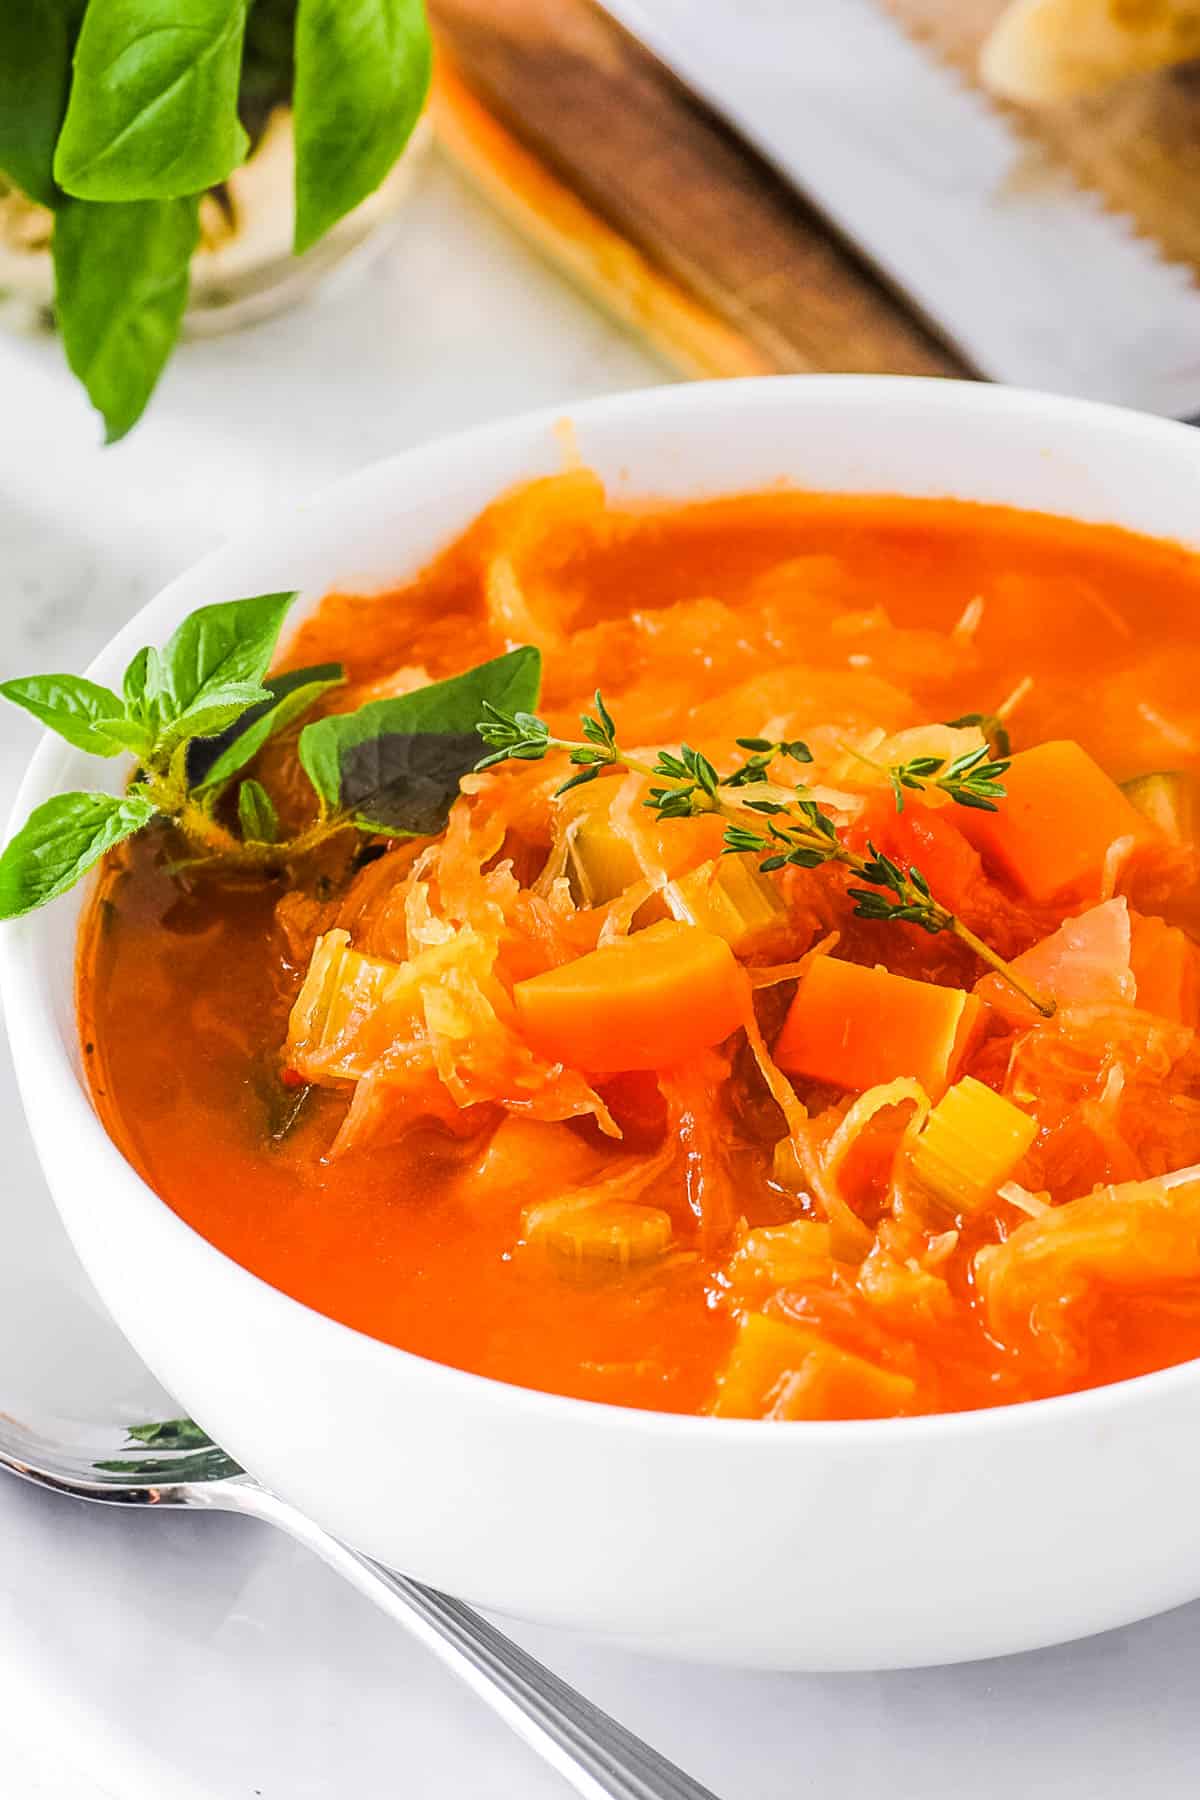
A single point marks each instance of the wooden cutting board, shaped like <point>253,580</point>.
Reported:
<point>637,191</point>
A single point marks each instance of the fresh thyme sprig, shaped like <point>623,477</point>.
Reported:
<point>972,779</point>
<point>526,738</point>
<point>795,831</point>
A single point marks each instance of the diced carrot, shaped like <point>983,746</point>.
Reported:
<point>1163,959</point>
<point>856,1028</point>
<point>1052,832</point>
<point>1084,963</point>
<point>782,1371</point>
<point>643,1002</point>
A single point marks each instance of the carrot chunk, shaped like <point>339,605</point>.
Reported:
<point>1051,834</point>
<point>644,1002</point>
<point>1163,959</point>
<point>857,1028</point>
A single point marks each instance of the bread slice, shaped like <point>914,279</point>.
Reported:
<point>1040,51</point>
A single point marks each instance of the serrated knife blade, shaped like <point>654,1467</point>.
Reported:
<point>1033,282</point>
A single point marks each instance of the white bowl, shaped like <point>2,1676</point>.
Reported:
<point>834,1546</point>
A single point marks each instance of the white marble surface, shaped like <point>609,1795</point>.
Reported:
<point>200,1658</point>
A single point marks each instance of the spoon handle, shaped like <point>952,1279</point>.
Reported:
<point>595,1755</point>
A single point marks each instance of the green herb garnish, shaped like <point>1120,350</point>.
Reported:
<point>195,713</point>
<point>972,779</point>
<point>119,114</point>
<point>794,831</point>
<point>394,765</point>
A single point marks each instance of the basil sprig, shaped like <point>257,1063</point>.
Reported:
<point>120,114</point>
<point>196,713</point>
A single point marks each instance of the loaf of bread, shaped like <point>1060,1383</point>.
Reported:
<point>1040,51</point>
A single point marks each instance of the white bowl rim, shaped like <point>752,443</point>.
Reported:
<point>35,1041</point>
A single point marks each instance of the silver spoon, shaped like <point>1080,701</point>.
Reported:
<point>176,1465</point>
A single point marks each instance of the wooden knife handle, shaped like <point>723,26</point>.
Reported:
<point>633,187</point>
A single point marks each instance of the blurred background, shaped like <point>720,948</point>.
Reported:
<point>586,200</point>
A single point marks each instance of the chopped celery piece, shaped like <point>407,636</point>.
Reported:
<point>731,897</point>
<point>345,993</point>
<point>612,1235</point>
<point>1170,799</point>
<point>601,862</point>
<point>971,1142</point>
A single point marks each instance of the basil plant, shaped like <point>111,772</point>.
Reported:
<point>120,114</point>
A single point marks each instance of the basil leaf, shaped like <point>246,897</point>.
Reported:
<point>215,648</point>
<point>36,40</point>
<point>256,814</point>
<point>215,710</point>
<point>213,762</point>
<point>362,73</point>
<point>394,765</point>
<point>153,107</point>
<point>60,842</point>
<point>142,677</point>
<point>128,734</point>
<point>73,707</point>
<point>121,284</point>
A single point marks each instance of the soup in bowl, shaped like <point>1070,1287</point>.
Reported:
<point>666,1033</point>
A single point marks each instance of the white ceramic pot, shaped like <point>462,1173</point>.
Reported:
<point>835,1546</point>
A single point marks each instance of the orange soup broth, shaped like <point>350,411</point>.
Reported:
<point>688,618</point>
